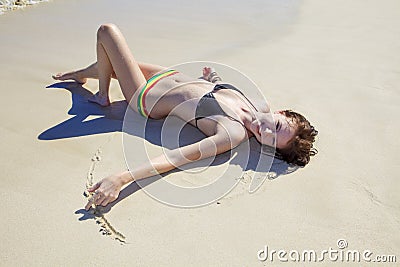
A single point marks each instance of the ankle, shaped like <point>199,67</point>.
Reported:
<point>79,75</point>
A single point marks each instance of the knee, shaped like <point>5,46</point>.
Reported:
<point>106,29</point>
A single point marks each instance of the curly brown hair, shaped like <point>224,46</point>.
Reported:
<point>300,147</point>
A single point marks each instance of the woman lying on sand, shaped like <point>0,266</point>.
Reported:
<point>202,103</point>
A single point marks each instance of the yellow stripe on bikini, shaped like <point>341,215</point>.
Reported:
<point>150,83</point>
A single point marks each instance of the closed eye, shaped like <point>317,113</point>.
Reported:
<point>278,126</point>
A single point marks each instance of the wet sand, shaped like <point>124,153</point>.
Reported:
<point>337,63</point>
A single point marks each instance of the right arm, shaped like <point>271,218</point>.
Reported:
<point>108,188</point>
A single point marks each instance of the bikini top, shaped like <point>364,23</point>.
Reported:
<point>209,106</point>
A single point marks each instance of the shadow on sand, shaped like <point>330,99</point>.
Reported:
<point>110,119</point>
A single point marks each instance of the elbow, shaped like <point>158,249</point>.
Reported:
<point>236,140</point>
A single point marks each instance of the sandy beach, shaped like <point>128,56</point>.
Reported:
<point>337,62</point>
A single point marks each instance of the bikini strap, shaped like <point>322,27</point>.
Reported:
<point>230,86</point>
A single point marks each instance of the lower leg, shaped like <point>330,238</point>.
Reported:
<point>120,59</point>
<point>81,75</point>
<point>103,70</point>
<point>91,72</point>
<point>114,59</point>
<point>88,72</point>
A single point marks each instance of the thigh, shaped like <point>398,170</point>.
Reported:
<point>149,70</point>
<point>126,68</point>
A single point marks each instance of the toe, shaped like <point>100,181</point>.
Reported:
<point>58,76</point>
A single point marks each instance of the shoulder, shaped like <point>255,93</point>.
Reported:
<point>223,129</point>
<point>262,106</point>
<point>231,130</point>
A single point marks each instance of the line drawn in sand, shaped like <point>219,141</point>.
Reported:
<point>105,226</point>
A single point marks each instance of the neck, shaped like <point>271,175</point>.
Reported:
<point>247,118</point>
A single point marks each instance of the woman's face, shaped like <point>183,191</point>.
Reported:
<point>273,129</point>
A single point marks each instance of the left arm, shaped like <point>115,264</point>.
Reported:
<point>209,74</point>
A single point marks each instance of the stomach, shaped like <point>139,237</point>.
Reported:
<point>176,95</point>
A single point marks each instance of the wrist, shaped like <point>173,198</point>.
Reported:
<point>214,77</point>
<point>126,177</point>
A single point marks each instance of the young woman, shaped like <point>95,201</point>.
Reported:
<point>221,111</point>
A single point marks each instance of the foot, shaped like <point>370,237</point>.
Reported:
<point>103,101</point>
<point>73,75</point>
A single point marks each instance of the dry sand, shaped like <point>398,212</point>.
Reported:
<point>338,62</point>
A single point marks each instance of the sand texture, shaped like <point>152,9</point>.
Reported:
<point>337,62</point>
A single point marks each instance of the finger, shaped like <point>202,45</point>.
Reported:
<point>94,187</point>
<point>89,204</point>
<point>100,199</point>
<point>105,201</point>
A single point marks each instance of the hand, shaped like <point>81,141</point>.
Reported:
<point>105,191</point>
<point>206,73</point>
